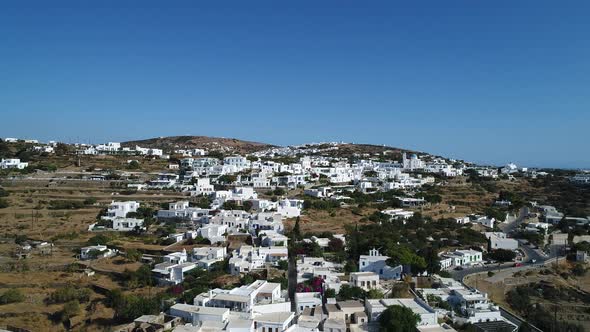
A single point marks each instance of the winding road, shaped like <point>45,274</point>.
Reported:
<point>532,255</point>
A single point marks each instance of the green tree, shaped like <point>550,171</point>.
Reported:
<point>70,310</point>
<point>297,230</point>
<point>3,203</point>
<point>12,295</point>
<point>405,256</point>
<point>133,164</point>
<point>398,319</point>
<point>133,255</point>
<point>61,149</point>
<point>98,240</point>
<point>283,265</point>
<point>348,292</point>
<point>90,201</point>
<point>374,294</point>
<point>330,293</point>
<point>502,255</point>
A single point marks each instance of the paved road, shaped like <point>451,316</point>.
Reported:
<point>531,254</point>
<point>510,226</point>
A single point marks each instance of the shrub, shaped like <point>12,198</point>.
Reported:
<point>69,293</point>
<point>90,201</point>
<point>3,203</point>
<point>65,205</point>
<point>70,310</point>
<point>12,296</point>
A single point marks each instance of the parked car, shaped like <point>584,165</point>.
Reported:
<point>517,264</point>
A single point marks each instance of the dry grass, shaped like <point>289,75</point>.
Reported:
<point>317,221</point>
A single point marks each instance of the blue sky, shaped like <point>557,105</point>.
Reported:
<point>492,82</point>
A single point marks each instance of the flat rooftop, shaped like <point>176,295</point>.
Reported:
<point>416,306</point>
<point>199,309</point>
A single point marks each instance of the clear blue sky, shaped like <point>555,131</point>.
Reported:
<point>493,81</point>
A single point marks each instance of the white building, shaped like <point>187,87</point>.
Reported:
<point>484,221</point>
<point>248,258</point>
<point>110,147</point>
<point>12,163</point>
<point>242,299</point>
<point>94,252</point>
<point>412,163</point>
<point>475,306</point>
<point>462,258</point>
<point>274,321</point>
<point>127,224</point>
<point>290,208</point>
<point>428,316</point>
<point>205,257</point>
<point>213,233</point>
<point>307,300</point>
<point>499,240</point>
<point>237,161</point>
<point>173,268</point>
<point>364,280</point>
<point>376,263</point>
<point>398,214</point>
<point>120,209</point>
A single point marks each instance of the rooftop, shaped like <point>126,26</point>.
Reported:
<point>200,309</point>
<point>274,317</point>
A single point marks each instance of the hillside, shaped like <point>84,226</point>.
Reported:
<point>200,142</point>
<point>350,149</point>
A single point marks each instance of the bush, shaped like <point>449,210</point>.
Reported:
<point>133,255</point>
<point>3,203</point>
<point>502,255</point>
<point>3,192</point>
<point>90,201</point>
<point>70,310</point>
<point>65,205</point>
<point>579,270</point>
<point>12,296</point>
<point>348,292</point>
<point>129,307</point>
<point>69,293</point>
<point>98,240</point>
<point>283,265</point>
<point>134,164</point>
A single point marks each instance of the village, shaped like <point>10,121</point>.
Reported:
<point>214,239</point>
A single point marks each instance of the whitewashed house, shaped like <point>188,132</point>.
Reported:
<point>364,280</point>
<point>375,262</point>
<point>95,252</point>
<point>13,163</point>
<point>499,240</point>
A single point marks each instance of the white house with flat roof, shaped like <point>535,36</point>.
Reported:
<point>375,262</point>
<point>98,251</point>
<point>127,224</point>
<point>205,257</point>
<point>499,240</point>
<point>463,257</point>
<point>364,280</point>
<point>242,298</point>
<point>214,233</point>
<point>274,321</point>
<point>307,300</point>
<point>427,315</point>
<point>120,209</point>
<point>196,314</point>
<point>475,306</point>
<point>290,208</point>
<point>13,163</point>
